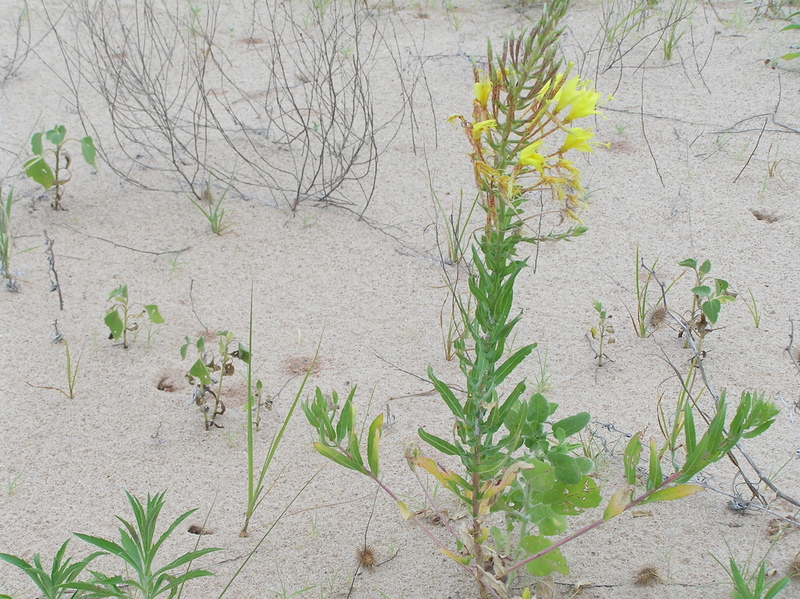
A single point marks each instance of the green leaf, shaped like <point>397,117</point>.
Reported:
<point>153,314</point>
<point>791,55</point>
<point>566,467</point>
<point>342,460</point>
<point>547,563</point>
<point>121,292</point>
<point>705,268</point>
<point>702,290</point>
<point>438,443</point>
<point>572,425</point>
<point>114,323</point>
<point>538,408</point>
<point>673,492</point>
<point>447,395</point>
<point>783,582</point>
<point>56,135</point>
<point>688,263</point>
<point>88,150</point>
<point>36,144</point>
<point>711,309</point>
<point>355,451</point>
<point>571,500</point>
<point>656,477</point>
<point>38,170</point>
<point>541,477</point>
<point>617,503</point>
<point>373,441</point>
<point>346,421</point>
<point>200,371</point>
<point>509,365</point>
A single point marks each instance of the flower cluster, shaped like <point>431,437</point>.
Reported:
<point>510,159</point>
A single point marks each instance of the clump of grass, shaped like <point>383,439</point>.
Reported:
<point>212,209</point>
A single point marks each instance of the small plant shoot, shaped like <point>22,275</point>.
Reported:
<point>49,166</point>
<point>123,317</point>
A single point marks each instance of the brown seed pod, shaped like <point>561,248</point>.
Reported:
<point>366,557</point>
<point>647,576</point>
<point>657,316</point>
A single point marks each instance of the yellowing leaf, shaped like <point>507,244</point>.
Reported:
<point>617,504</point>
<point>672,493</point>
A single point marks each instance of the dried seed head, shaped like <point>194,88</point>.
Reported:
<point>794,566</point>
<point>366,557</point>
<point>657,316</point>
<point>647,576</point>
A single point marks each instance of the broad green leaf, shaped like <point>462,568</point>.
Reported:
<point>438,443</point>
<point>114,323</point>
<point>566,468</point>
<point>342,460</point>
<point>447,395</point>
<point>540,477</point>
<point>121,292</point>
<point>40,171</point>
<point>711,309</point>
<point>36,144</point>
<point>617,503</point>
<point>721,286</point>
<point>674,492</point>
<point>571,500</point>
<point>88,150</point>
<point>705,268</point>
<point>548,563</point>
<point>572,425</point>
<point>688,263</point>
<point>200,371</point>
<point>585,465</point>
<point>538,408</point>
<point>56,135</point>
<point>702,290</point>
<point>243,354</point>
<point>153,314</point>
<point>373,441</point>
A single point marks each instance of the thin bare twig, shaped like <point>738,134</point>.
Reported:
<point>51,259</point>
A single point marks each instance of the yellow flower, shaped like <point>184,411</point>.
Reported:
<point>530,157</point>
<point>580,96</point>
<point>578,139</point>
<point>478,128</point>
<point>482,89</point>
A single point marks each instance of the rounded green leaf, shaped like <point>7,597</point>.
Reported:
<point>114,323</point>
<point>153,314</point>
<point>88,150</point>
<point>40,171</point>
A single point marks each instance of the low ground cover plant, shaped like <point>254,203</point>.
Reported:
<point>56,174</point>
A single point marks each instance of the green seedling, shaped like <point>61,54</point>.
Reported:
<point>63,572</point>
<point>122,317</point>
<point>602,332</point>
<point>208,373</point>
<point>793,26</point>
<point>72,375</point>
<point>706,300</point>
<point>642,288</point>
<point>14,482</point>
<point>39,169</point>
<point>6,241</point>
<point>212,209</point>
<point>755,585</point>
<point>752,307</point>
<point>255,484</point>
<point>137,549</point>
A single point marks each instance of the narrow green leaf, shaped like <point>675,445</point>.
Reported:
<point>447,395</point>
<point>509,365</point>
<point>439,444</point>
<point>690,433</point>
<point>631,458</point>
<point>88,150</point>
<point>373,441</point>
<point>346,421</point>
<point>153,314</point>
<point>355,451</point>
<point>656,477</point>
<point>673,492</point>
<point>342,460</point>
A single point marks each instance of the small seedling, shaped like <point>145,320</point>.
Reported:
<point>123,317</point>
<point>212,210</point>
<point>752,307</point>
<point>5,241</point>
<point>755,585</point>
<point>14,482</point>
<point>52,585</point>
<point>603,332</point>
<point>72,374</point>
<point>137,549</point>
<point>201,375</point>
<point>792,55</point>
<point>707,301</point>
<point>39,169</point>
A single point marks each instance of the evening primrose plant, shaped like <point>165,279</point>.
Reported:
<point>519,473</point>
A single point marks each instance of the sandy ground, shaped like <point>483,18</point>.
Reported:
<point>697,144</point>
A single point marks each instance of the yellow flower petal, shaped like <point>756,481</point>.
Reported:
<point>482,89</point>
<point>578,139</point>
<point>478,128</point>
<point>530,157</point>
